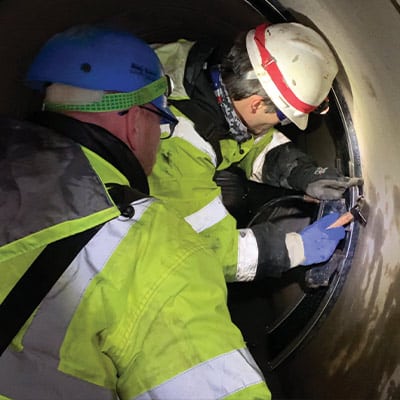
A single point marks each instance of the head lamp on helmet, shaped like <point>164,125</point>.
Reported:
<point>122,69</point>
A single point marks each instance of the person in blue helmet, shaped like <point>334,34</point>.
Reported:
<point>139,311</point>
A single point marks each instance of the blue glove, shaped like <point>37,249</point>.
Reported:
<point>320,243</point>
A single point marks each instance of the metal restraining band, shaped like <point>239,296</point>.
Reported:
<point>117,101</point>
<point>269,64</point>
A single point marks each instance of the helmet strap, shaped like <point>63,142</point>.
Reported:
<point>269,64</point>
<point>117,101</point>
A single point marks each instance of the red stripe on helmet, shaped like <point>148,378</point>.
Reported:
<point>269,65</point>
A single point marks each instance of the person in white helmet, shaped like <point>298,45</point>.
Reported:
<point>228,103</point>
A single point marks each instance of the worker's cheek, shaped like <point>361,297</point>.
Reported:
<point>147,140</point>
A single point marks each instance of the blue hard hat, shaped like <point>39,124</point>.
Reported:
<point>98,58</point>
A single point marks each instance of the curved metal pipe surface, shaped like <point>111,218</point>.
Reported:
<point>356,352</point>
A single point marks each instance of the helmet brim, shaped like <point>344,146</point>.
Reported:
<point>300,121</point>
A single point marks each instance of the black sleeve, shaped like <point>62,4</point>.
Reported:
<point>287,166</point>
<point>273,258</point>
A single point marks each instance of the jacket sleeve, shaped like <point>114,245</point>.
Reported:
<point>273,159</point>
<point>276,161</point>
<point>288,167</point>
<point>191,348</point>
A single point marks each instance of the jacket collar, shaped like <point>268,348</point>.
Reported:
<point>100,141</point>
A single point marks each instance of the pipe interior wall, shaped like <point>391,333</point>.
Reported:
<point>356,353</point>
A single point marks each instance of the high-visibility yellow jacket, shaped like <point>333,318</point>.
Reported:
<point>186,164</point>
<point>141,311</point>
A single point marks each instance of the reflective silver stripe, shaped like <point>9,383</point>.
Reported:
<point>32,373</point>
<point>185,130</point>
<point>28,376</point>
<point>278,138</point>
<point>207,216</point>
<point>214,379</point>
<point>247,256</point>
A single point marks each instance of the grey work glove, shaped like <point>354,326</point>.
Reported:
<point>331,188</point>
<point>323,183</point>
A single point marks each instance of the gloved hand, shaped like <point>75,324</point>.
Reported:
<point>288,167</point>
<point>320,243</point>
<point>329,185</point>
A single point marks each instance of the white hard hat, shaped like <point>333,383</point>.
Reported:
<point>294,65</point>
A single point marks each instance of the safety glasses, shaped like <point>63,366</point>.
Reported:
<point>283,119</point>
<point>165,119</point>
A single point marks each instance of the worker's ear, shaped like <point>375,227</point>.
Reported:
<point>256,103</point>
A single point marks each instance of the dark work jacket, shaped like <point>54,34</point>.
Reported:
<point>202,108</point>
